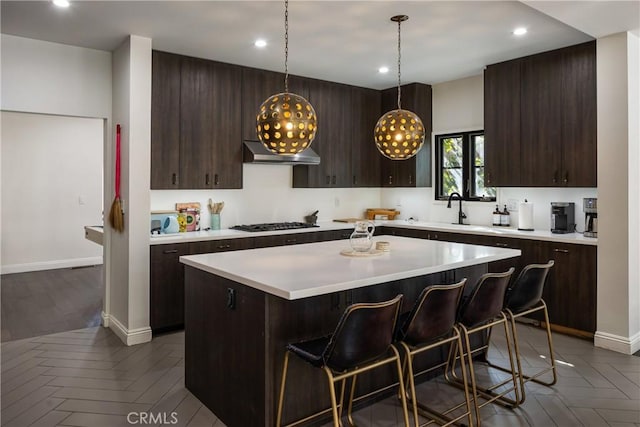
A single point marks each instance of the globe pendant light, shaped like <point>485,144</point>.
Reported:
<point>286,123</point>
<point>399,134</point>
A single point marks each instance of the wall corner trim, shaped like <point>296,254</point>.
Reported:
<point>626,345</point>
<point>105,319</point>
<point>129,337</point>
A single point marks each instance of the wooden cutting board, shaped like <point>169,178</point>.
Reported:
<point>348,219</point>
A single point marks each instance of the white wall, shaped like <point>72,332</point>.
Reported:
<point>52,78</point>
<point>51,187</point>
<point>618,216</point>
<point>267,196</point>
<point>128,262</point>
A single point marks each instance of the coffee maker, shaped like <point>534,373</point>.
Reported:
<point>563,217</point>
<point>590,207</point>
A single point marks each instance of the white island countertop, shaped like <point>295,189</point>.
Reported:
<point>306,270</point>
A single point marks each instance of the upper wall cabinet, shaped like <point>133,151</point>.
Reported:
<point>416,171</point>
<point>540,119</point>
<point>365,157</point>
<point>195,124</point>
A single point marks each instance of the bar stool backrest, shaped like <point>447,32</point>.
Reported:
<point>433,315</point>
<point>486,300</point>
<point>364,333</point>
<point>527,289</point>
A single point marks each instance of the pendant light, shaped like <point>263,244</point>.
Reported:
<point>399,134</point>
<point>286,123</point>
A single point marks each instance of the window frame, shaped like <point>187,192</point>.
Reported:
<point>468,166</point>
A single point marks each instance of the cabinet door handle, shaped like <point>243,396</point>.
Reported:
<point>216,181</point>
<point>170,251</point>
<point>328,180</point>
<point>563,251</point>
<point>207,181</point>
<point>355,180</point>
<point>345,235</point>
<point>174,179</point>
<point>333,180</point>
<point>502,245</point>
<point>488,180</point>
<point>390,179</point>
<point>555,177</point>
<point>289,241</point>
<point>566,177</point>
<point>410,179</point>
<point>224,246</point>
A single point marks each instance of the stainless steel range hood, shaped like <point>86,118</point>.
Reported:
<point>255,152</point>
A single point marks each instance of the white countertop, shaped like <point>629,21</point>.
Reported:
<point>196,236</point>
<point>306,270</point>
<point>576,238</point>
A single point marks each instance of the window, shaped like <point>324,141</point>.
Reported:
<point>460,166</point>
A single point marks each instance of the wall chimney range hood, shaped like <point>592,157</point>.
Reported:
<point>255,152</point>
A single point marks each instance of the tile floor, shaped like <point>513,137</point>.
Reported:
<point>88,377</point>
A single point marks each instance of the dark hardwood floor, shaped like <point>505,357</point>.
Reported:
<point>50,301</point>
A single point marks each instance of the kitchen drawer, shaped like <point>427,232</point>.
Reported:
<point>284,239</point>
<point>223,245</point>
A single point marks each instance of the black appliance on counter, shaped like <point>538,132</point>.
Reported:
<point>563,217</point>
<point>273,226</point>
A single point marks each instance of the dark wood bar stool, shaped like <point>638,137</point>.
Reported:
<point>362,341</point>
<point>480,311</point>
<point>431,324</point>
<point>524,297</point>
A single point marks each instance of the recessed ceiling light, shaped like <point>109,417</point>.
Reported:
<point>260,43</point>
<point>520,31</point>
<point>61,3</point>
<point>383,70</point>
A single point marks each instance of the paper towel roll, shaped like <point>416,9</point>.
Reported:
<point>525,216</point>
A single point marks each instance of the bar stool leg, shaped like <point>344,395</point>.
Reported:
<point>282,385</point>
<point>332,393</point>
<point>403,397</point>
<point>350,407</point>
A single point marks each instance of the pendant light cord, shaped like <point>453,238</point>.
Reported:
<point>399,55</point>
<point>286,46</point>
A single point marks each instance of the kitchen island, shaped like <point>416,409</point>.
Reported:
<point>243,307</point>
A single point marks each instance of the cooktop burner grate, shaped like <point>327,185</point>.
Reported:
<point>273,226</point>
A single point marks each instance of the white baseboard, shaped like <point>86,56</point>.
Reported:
<point>626,345</point>
<point>51,265</point>
<point>105,319</point>
<point>128,336</point>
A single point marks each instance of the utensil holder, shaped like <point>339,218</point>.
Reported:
<point>215,221</point>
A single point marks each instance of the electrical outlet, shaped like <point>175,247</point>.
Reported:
<point>512,205</point>
<point>336,202</point>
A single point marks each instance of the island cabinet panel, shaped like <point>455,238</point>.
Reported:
<point>224,362</point>
<point>365,157</point>
<point>257,86</point>
<point>502,124</point>
<point>416,171</point>
<point>166,292</point>
<point>540,119</point>
<point>332,103</point>
<point>236,337</point>
<point>194,102</point>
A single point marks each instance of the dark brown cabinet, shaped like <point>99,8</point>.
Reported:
<point>365,158</point>
<point>540,119</point>
<point>332,103</point>
<point>165,120</point>
<point>203,125</point>
<point>502,124</point>
<point>416,171</point>
<point>166,292</point>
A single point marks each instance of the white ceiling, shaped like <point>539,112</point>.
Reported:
<point>343,41</point>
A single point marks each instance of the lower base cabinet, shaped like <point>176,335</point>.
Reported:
<point>570,292</point>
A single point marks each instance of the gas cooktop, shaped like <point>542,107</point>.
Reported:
<point>273,226</point>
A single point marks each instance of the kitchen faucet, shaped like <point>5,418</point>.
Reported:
<point>461,214</point>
